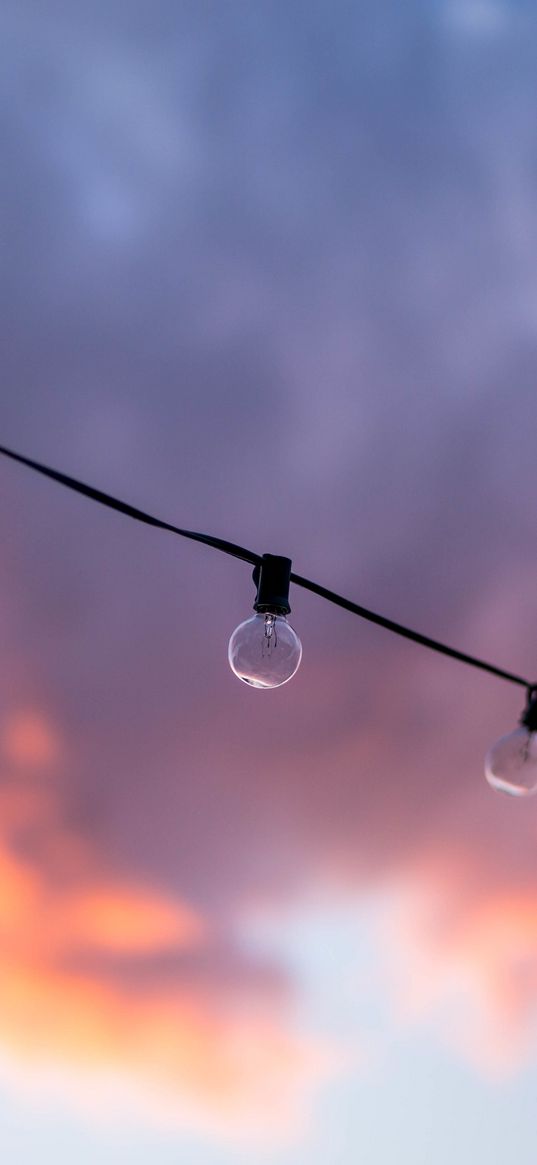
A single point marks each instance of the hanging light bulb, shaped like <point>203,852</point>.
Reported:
<point>511,764</point>
<point>265,651</point>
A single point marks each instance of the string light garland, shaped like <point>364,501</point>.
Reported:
<point>265,651</point>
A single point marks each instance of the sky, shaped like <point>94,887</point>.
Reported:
<point>269,271</point>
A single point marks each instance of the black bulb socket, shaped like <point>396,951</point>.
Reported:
<point>529,716</point>
<point>272,578</point>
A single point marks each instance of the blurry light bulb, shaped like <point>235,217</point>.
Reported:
<point>265,651</point>
<point>511,764</point>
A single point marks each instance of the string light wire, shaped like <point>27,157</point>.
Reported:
<point>104,499</point>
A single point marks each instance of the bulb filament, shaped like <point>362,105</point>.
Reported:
<point>270,635</point>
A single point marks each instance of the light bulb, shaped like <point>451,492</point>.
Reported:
<point>265,651</point>
<point>511,764</point>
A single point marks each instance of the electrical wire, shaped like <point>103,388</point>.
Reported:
<point>104,499</point>
<point>97,495</point>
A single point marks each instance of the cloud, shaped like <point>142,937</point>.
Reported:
<point>106,980</point>
<point>461,959</point>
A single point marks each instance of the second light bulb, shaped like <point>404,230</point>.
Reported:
<point>511,764</point>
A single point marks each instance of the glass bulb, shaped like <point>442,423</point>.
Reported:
<point>265,651</point>
<point>511,765</point>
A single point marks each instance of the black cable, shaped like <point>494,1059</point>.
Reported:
<point>406,633</point>
<point>97,495</point>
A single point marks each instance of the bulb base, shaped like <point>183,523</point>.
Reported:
<point>272,578</point>
<point>529,716</point>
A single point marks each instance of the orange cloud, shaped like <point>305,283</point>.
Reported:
<point>175,1048</point>
<point>123,919</point>
<point>72,997</point>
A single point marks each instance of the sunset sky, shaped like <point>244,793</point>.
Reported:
<point>269,270</point>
